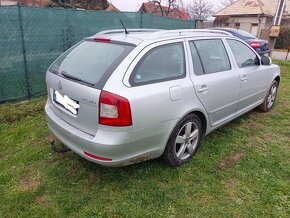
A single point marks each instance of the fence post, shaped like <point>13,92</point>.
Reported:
<point>141,24</point>
<point>195,24</point>
<point>23,51</point>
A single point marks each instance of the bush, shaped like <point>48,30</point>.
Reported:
<point>284,39</point>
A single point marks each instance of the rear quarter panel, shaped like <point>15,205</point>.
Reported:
<point>271,73</point>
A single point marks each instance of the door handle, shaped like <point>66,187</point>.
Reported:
<point>203,88</point>
<point>244,78</point>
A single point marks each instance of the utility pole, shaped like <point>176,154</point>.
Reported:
<point>276,27</point>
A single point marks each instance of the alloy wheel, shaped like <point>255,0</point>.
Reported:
<point>272,96</point>
<point>187,140</point>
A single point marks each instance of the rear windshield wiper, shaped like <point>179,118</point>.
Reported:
<point>67,75</point>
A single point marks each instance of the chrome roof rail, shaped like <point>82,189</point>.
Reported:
<point>187,32</point>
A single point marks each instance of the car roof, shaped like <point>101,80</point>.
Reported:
<point>136,36</point>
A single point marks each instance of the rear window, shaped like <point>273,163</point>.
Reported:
<point>245,34</point>
<point>90,61</point>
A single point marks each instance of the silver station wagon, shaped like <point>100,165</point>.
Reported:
<point>122,97</point>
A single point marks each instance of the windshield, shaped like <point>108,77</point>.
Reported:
<point>91,61</point>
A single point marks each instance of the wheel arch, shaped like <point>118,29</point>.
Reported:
<point>201,115</point>
<point>202,118</point>
<point>278,79</point>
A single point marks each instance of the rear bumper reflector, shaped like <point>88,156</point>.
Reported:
<point>97,157</point>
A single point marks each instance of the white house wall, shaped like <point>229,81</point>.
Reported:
<point>247,23</point>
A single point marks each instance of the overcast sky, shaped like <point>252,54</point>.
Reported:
<point>134,5</point>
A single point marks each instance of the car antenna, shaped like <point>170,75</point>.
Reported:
<point>126,31</point>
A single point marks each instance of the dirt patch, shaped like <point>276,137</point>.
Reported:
<point>259,141</point>
<point>50,138</point>
<point>74,172</point>
<point>250,124</point>
<point>29,184</point>
<point>38,141</point>
<point>44,201</point>
<point>230,161</point>
<point>206,199</point>
<point>16,113</point>
<point>94,177</point>
<point>254,140</point>
<point>162,184</point>
<point>230,184</point>
<point>40,200</point>
<point>85,188</point>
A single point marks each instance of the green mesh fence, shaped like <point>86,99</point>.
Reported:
<point>32,38</point>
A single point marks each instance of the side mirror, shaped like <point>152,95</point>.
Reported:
<point>265,60</point>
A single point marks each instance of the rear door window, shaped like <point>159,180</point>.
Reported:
<point>163,63</point>
<point>91,61</point>
<point>213,55</point>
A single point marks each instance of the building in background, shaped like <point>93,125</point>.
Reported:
<point>156,9</point>
<point>253,16</point>
<point>43,3</point>
<point>111,7</point>
<point>39,3</point>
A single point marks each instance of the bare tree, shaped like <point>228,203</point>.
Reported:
<point>226,3</point>
<point>171,5</point>
<point>200,9</point>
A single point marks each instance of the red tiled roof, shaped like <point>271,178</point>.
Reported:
<point>111,7</point>
<point>153,8</point>
<point>29,2</point>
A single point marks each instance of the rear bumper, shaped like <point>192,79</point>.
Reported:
<point>123,148</point>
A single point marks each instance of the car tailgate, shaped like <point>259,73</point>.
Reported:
<point>75,103</point>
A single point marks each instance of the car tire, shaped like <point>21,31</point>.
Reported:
<point>184,141</point>
<point>269,101</point>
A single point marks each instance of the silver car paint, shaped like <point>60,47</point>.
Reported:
<point>76,91</point>
<point>156,108</point>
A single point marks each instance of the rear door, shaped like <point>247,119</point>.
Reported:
<point>216,82</point>
<point>76,78</point>
<point>253,80</point>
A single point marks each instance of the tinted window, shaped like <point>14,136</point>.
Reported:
<point>90,60</point>
<point>213,55</point>
<point>160,64</point>
<point>197,66</point>
<point>244,56</point>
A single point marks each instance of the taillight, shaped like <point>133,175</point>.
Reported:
<point>114,110</point>
<point>98,39</point>
<point>255,45</point>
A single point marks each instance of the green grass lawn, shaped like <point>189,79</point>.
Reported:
<point>242,170</point>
